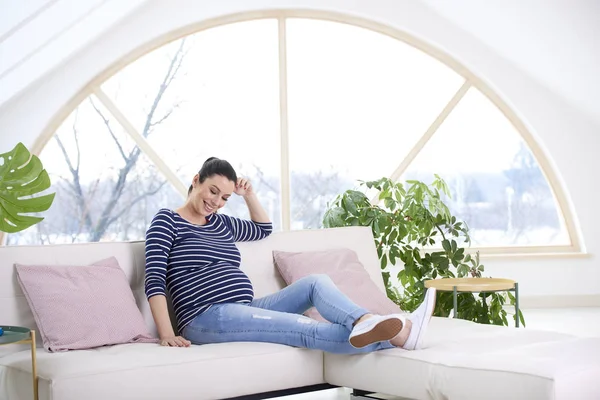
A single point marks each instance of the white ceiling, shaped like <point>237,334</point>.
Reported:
<point>36,36</point>
<point>556,42</point>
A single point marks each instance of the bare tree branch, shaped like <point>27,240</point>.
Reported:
<point>62,178</point>
<point>112,194</point>
<point>65,154</point>
<point>181,53</point>
<point>40,234</point>
<point>76,186</point>
<point>75,119</point>
<point>136,200</point>
<point>105,219</point>
<point>167,115</point>
<point>261,176</point>
<point>69,187</point>
<point>112,133</point>
<point>174,66</point>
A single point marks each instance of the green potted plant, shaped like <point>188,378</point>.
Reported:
<point>414,229</point>
<point>22,176</point>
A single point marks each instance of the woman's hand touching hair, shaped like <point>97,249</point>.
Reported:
<point>243,187</point>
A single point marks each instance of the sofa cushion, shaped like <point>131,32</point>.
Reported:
<point>344,268</point>
<point>465,360</point>
<point>150,371</point>
<point>80,307</point>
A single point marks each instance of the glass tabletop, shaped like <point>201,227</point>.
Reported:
<point>13,334</point>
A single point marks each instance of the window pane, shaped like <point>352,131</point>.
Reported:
<point>358,101</point>
<point>220,98</point>
<point>496,184</point>
<point>106,189</point>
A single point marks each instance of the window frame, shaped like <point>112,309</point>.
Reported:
<point>575,248</point>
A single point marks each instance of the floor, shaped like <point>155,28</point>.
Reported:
<point>584,321</point>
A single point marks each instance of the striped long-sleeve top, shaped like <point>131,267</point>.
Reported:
<point>198,264</point>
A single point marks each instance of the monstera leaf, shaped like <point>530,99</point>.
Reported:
<point>22,175</point>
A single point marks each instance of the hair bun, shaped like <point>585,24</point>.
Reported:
<point>216,166</point>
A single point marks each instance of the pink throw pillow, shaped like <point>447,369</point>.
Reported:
<point>346,271</point>
<point>82,307</point>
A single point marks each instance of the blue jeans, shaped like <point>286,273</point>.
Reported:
<point>277,319</point>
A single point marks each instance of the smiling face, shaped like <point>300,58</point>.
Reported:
<point>207,197</point>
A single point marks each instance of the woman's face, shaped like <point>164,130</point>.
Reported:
<point>212,194</point>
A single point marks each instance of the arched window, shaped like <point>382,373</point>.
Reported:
<point>496,184</point>
<point>304,108</point>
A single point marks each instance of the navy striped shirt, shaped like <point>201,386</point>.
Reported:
<point>198,264</point>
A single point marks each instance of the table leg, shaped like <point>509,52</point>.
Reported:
<point>517,304</point>
<point>34,366</point>
<point>455,293</point>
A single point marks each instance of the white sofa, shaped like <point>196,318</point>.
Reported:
<point>462,360</point>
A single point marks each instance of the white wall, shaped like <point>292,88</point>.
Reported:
<point>563,122</point>
<point>557,42</point>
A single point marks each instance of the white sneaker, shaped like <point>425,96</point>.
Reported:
<point>420,320</point>
<point>378,328</point>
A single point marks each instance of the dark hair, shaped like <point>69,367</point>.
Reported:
<point>215,166</point>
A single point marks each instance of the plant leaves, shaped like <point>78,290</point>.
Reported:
<point>22,174</point>
<point>334,217</point>
<point>521,318</point>
<point>390,203</point>
<point>404,223</point>
<point>446,245</point>
<point>383,261</point>
<point>348,204</point>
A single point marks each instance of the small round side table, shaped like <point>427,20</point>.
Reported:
<point>476,285</point>
<point>20,335</point>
